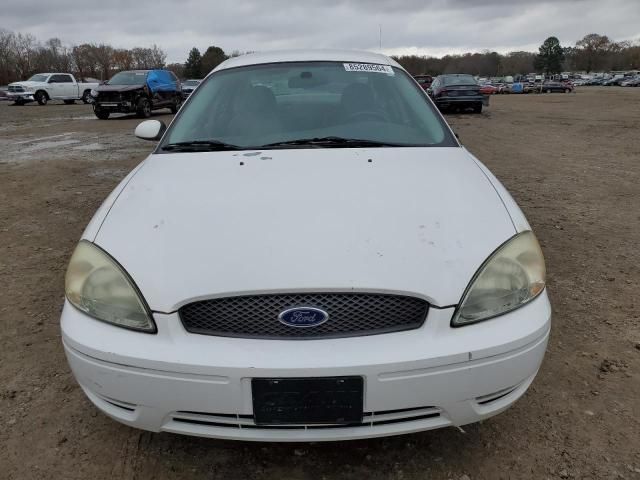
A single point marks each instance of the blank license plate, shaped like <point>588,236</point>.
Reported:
<point>307,401</point>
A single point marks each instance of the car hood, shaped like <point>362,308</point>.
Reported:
<point>118,88</point>
<point>419,221</point>
<point>27,84</point>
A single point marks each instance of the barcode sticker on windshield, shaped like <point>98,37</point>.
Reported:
<point>368,67</point>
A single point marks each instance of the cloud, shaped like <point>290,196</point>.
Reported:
<point>427,27</point>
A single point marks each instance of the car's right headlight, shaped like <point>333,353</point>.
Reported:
<point>512,276</point>
<point>97,285</point>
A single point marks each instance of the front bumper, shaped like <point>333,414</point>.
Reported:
<point>428,378</point>
<point>120,106</point>
<point>24,96</point>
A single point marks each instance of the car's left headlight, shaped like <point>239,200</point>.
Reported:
<point>512,276</point>
<point>97,285</point>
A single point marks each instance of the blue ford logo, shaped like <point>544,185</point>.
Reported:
<point>303,317</point>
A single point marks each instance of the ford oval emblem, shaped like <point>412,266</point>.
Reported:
<point>303,317</point>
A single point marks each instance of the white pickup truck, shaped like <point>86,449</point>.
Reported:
<point>43,87</point>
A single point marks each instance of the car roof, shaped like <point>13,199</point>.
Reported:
<point>281,56</point>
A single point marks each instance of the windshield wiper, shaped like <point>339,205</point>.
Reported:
<point>200,146</point>
<point>323,142</point>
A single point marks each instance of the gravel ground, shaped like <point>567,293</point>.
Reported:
<point>571,162</point>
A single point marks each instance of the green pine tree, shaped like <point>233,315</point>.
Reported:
<point>550,56</point>
<point>193,65</point>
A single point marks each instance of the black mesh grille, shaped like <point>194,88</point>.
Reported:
<point>109,96</point>
<point>350,314</point>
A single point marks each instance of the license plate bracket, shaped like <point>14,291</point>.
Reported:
<point>308,401</point>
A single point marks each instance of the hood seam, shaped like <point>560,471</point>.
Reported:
<point>475,161</point>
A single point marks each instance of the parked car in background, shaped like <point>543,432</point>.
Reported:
<point>424,80</point>
<point>516,87</point>
<point>43,87</point>
<point>613,82</point>
<point>488,89</point>
<point>137,91</point>
<point>631,82</point>
<point>189,86</point>
<point>556,87</point>
<point>412,296</point>
<point>457,91</point>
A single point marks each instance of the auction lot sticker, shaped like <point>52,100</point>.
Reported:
<point>368,67</point>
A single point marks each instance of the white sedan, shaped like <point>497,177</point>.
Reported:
<point>309,254</point>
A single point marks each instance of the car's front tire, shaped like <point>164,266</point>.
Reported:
<point>101,114</point>
<point>41,97</point>
<point>143,108</point>
<point>176,105</point>
<point>86,96</point>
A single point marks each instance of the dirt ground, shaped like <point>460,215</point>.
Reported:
<point>572,161</point>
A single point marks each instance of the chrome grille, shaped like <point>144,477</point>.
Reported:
<point>369,419</point>
<point>350,314</point>
<point>16,88</point>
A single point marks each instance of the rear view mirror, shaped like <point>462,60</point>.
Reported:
<point>150,130</point>
<point>307,80</point>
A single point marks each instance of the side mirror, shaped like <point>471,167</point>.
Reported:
<point>150,130</point>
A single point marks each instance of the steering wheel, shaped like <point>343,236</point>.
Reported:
<point>367,114</point>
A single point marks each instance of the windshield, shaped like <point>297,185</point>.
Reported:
<point>459,80</point>
<point>191,83</point>
<point>262,105</point>
<point>38,78</point>
<point>129,78</point>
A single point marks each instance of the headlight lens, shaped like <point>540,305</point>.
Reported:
<point>512,276</point>
<point>98,286</point>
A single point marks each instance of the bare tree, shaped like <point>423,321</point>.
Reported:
<point>103,58</point>
<point>24,47</point>
<point>7,56</point>
<point>122,59</point>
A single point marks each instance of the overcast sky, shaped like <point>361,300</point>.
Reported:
<point>426,27</point>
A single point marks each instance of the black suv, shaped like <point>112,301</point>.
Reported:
<point>137,91</point>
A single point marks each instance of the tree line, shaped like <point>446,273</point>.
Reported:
<point>22,55</point>
<point>593,53</point>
